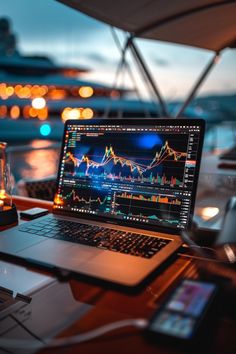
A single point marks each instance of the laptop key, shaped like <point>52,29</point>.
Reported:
<point>40,233</point>
<point>31,231</point>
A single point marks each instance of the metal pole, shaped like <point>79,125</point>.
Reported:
<point>146,81</point>
<point>118,71</point>
<point>127,66</point>
<point>193,92</point>
<point>140,60</point>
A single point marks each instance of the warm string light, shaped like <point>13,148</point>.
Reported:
<point>77,113</point>
<point>38,94</point>
<point>15,112</point>
<point>85,91</point>
<point>34,91</point>
<point>38,103</point>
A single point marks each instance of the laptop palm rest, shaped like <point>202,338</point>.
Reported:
<point>60,253</point>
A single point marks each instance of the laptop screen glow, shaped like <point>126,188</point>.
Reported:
<point>135,173</point>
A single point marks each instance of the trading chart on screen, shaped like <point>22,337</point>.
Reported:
<point>135,173</point>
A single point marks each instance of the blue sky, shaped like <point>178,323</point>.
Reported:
<point>69,37</point>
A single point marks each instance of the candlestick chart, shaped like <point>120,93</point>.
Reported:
<point>161,166</point>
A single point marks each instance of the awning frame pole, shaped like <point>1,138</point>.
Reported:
<point>118,71</point>
<point>195,88</point>
<point>128,68</point>
<point>139,59</point>
<point>146,82</point>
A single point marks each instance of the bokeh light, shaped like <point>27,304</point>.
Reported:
<point>45,129</point>
<point>38,103</point>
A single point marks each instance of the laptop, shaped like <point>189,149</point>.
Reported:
<point>125,190</point>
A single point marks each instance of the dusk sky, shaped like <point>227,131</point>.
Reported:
<point>49,28</point>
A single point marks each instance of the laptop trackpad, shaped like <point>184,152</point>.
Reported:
<point>12,242</point>
<point>59,253</point>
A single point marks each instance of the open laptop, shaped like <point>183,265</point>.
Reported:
<point>125,190</point>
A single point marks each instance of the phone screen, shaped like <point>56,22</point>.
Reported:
<point>181,313</point>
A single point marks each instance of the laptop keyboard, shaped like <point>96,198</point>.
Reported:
<point>97,236</point>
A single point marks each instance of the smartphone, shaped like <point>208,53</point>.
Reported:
<point>33,213</point>
<point>185,310</point>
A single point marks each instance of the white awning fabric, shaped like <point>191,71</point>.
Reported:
<point>209,24</point>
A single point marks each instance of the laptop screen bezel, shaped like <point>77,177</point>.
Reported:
<point>135,121</point>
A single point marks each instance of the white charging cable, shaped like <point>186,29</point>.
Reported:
<point>140,323</point>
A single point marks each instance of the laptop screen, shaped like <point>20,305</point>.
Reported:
<point>142,172</point>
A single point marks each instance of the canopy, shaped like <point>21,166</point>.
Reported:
<point>209,24</point>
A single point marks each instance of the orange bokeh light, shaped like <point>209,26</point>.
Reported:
<point>3,111</point>
<point>15,112</point>
<point>87,113</point>
<point>85,91</point>
<point>33,112</point>
<point>43,113</point>
<point>71,113</point>
<point>26,111</point>
<point>57,94</point>
<point>9,91</point>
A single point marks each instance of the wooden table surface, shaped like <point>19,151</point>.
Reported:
<point>109,305</point>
